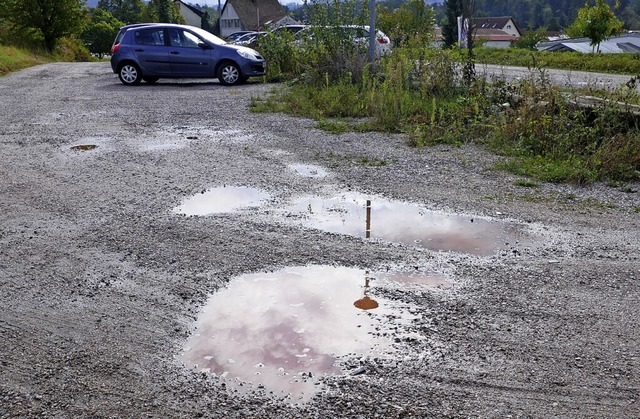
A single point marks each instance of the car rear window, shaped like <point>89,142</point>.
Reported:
<point>150,37</point>
<point>119,36</point>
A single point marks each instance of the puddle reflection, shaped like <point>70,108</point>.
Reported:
<point>284,330</point>
<point>221,200</point>
<point>418,279</point>
<point>406,223</point>
<point>366,302</point>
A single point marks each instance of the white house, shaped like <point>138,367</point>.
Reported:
<point>503,23</point>
<point>250,15</point>
<point>495,32</point>
<point>191,15</point>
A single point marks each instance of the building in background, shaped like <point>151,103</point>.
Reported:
<point>252,15</point>
<point>192,15</point>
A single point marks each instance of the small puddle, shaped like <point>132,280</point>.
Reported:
<point>84,147</point>
<point>220,200</point>
<point>282,331</point>
<point>406,223</point>
<point>309,170</point>
<point>213,134</point>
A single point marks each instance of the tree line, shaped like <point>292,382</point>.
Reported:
<point>34,23</point>
<point>554,15</point>
<point>596,22</point>
<point>37,22</point>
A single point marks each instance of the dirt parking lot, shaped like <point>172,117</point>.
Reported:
<point>526,304</point>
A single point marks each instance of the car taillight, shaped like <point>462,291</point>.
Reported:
<point>382,40</point>
<point>115,48</point>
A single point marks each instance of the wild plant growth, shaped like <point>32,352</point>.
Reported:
<point>547,134</point>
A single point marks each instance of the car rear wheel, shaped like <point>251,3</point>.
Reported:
<point>129,74</point>
<point>229,74</point>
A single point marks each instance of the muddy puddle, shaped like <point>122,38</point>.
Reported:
<point>372,217</point>
<point>282,331</point>
<point>222,199</point>
<point>376,217</point>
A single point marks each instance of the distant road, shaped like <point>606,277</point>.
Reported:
<point>565,78</point>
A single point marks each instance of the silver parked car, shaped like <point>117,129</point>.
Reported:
<point>153,51</point>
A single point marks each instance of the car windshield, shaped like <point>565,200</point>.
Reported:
<point>208,36</point>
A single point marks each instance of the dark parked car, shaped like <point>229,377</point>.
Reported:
<point>153,51</point>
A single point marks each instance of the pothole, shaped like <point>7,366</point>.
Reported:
<point>84,147</point>
<point>221,200</point>
<point>284,330</point>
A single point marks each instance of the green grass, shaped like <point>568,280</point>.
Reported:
<point>526,183</point>
<point>552,170</point>
<point>13,59</point>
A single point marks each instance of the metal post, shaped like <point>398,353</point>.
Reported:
<point>372,30</point>
<point>368,227</point>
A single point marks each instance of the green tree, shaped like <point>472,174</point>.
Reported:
<point>453,9</point>
<point>99,33</point>
<point>597,23</point>
<point>164,11</point>
<point>127,11</point>
<point>530,39</point>
<point>47,20</point>
<point>410,24</point>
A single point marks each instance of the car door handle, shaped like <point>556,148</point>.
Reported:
<point>174,52</point>
<point>139,50</point>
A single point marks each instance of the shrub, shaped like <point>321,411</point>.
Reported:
<point>72,49</point>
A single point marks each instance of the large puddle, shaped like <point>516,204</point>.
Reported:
<point>221,200</point>
<point>379,218</point>
<point>282,331</point>
<point>373,217</point>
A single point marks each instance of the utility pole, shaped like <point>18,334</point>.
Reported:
<point>372,30</point>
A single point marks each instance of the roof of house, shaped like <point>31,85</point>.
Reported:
<point>493,35</point>
<point>267,10</point>
<point>483,34</point>
<point>192,8</point>
<point>629,42</point>
<point>495,22</point>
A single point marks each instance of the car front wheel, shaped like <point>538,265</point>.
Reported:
<point>229,74</point>
<point>130,74</point>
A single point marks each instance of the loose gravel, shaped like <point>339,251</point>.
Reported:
<point>101,281</point>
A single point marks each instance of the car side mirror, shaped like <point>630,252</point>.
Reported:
<point>203,45</point>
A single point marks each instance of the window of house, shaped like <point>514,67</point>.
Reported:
<point>230,23</point>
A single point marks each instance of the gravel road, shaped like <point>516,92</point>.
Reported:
<point>102,279</point>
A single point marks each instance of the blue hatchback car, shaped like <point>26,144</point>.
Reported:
<point>152,51</point>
